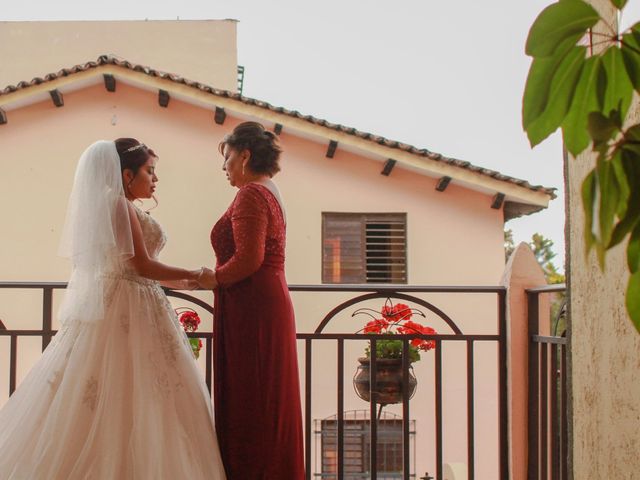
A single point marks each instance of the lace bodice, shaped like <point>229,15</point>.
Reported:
<point>154,240</point>
<point>154,236</point>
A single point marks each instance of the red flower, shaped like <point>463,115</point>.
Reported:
<point>427,345</point>
<point>403,311</point>
<point>189,320</point>
<point>410,328</point>
<point>388,312</point>
<point>376,326</point>
<point>397,313</point>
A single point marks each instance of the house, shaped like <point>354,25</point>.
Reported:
<point>440,220</point>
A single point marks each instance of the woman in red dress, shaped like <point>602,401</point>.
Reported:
<point>256,387</point>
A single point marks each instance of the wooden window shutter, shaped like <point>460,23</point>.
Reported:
<point>343,252</point>
<point>364,248</point>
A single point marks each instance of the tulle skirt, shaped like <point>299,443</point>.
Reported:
<point>118,399</point>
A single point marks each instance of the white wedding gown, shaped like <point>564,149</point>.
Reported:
<point>116,399</point>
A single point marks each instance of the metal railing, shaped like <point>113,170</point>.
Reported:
<point>367,292</point>
<point>547,421</point>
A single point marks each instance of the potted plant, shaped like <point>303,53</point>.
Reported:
<point>190,320</point>
<point>391,319</point>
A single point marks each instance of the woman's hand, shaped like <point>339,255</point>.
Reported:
<point>207,279</point>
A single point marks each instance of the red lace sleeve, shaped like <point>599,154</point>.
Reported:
<point>249,222</point>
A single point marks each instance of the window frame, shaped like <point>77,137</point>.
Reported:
<point>364,218</point>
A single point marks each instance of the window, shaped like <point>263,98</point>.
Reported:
<point>357,446</point>
<point>364,248</point>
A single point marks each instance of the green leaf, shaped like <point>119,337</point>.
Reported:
<point>561,87</point>
<point>631,164</point>
<point>609,195</point>
<point>619,4</point>
<point>630,221</point>
<point>601,128</point>
<point>588,194</point>
<point>632,134</point>
<point>630,49</point>
<point>538,85</point>
<point>565,20</point>
<point>633,299</point>
<point>623,183</point>
<point>633,251</point>
<point>635,31</point>
<point>619,88</point>
<point>588,98</point>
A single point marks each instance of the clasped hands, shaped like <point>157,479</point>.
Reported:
<point>206,279</point>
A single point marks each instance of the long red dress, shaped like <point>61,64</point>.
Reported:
<point>256,386</point>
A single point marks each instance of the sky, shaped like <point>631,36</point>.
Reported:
<point>443,75</point>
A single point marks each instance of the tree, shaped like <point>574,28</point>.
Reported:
<point>587,94</point>
<point>509,246</point>
<point>542,249</point>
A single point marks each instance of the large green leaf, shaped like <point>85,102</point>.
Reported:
<point>561,91</point>
<point>619,4</point>
<point>631,134</point>
<point>565,20</point>
<point>600,127</point>
<point>609,195</point>
<point>630,49</point>
<point>619,88</point>
<point>633,251</point>
<point>626,167</point>
<point>629,220</point>
<point>588,195</point>
<point>538,86</point>
<point>633,299</point>
<point>622,181</point>
<point>588,98</point>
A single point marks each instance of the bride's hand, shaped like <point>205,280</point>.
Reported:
<point>207,279</point>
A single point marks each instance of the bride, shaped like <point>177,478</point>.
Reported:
<point>116,394</point>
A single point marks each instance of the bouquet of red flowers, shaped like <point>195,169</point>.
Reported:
<point>190,320</point>
<point>396,319</point>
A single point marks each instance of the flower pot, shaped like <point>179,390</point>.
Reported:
<point>388,380</point>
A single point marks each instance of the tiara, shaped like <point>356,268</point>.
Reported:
<point>135,147</point>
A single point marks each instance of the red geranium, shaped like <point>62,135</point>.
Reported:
<point>190,320</point>
<point>376,326</point>
<point>397,319</point>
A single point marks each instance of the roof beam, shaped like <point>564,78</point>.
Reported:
<point>220,116</point>
<point>277,129</point>
<point>388,166</point>
<point>3,117</point>
<point>163,98</point>
<point>443,183</point>
<point>498,199</point>
<point>56,96</point>
<point>331,150</point>
<point>109,82</point>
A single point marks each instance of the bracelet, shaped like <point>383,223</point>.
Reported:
<point>200,274</point>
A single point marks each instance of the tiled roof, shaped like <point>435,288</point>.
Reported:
<point>421,152</point>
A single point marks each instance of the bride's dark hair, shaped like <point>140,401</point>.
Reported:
<point>133,155</point>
